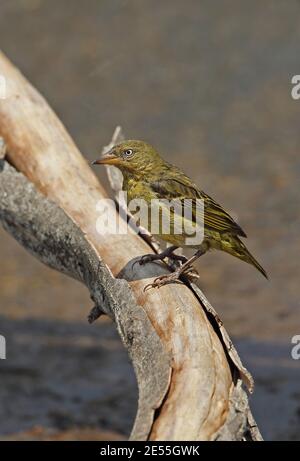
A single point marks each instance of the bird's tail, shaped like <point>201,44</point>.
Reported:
<point>239,250</point>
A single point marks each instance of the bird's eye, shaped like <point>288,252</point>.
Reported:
<point>128,153</point>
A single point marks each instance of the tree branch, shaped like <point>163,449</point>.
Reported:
<point>189,375</point>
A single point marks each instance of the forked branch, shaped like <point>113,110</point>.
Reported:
<point>189,375</point>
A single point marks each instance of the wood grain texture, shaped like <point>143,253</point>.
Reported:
<point>194,390</point>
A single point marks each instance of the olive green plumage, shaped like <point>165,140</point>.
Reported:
<point>148,176</point>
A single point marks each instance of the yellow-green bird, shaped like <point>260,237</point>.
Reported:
<point>147,176</point>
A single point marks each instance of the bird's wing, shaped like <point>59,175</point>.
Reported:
<point>181,187</point>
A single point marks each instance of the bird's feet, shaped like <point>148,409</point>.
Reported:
<point>160,257</point>
<point>167,253</point>
<point>187,271</point>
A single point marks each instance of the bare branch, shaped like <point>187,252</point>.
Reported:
<point>181,360</point>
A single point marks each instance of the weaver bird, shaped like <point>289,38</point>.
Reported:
<point>146,176</point>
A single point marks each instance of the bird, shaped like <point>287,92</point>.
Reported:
<point>147,176</point>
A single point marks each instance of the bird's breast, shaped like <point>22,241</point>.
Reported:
<point>138,190</point>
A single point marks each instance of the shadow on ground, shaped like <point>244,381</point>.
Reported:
<point>61,377</point>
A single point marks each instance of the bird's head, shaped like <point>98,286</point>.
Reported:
<point>131,157</point>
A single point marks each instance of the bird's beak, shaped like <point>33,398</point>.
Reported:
<point>107,159</point>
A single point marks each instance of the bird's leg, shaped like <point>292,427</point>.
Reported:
<point>167,253</point>
<point>185,269</point>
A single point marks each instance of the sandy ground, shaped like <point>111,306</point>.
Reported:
<point>209,84</point>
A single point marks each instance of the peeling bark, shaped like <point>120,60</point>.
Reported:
<point>189,375</point>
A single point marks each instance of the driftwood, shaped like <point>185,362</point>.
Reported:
<point>189,374</point>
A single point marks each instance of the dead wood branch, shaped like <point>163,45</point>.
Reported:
<point>48,202</point>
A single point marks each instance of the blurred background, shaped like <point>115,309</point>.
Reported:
<point>209,84</point>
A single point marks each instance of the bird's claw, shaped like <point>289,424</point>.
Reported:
<point>168,253</point>
<point>162,280</point>
<point>191,273</point>
<point>174,277</point>
<point>145,259</point>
